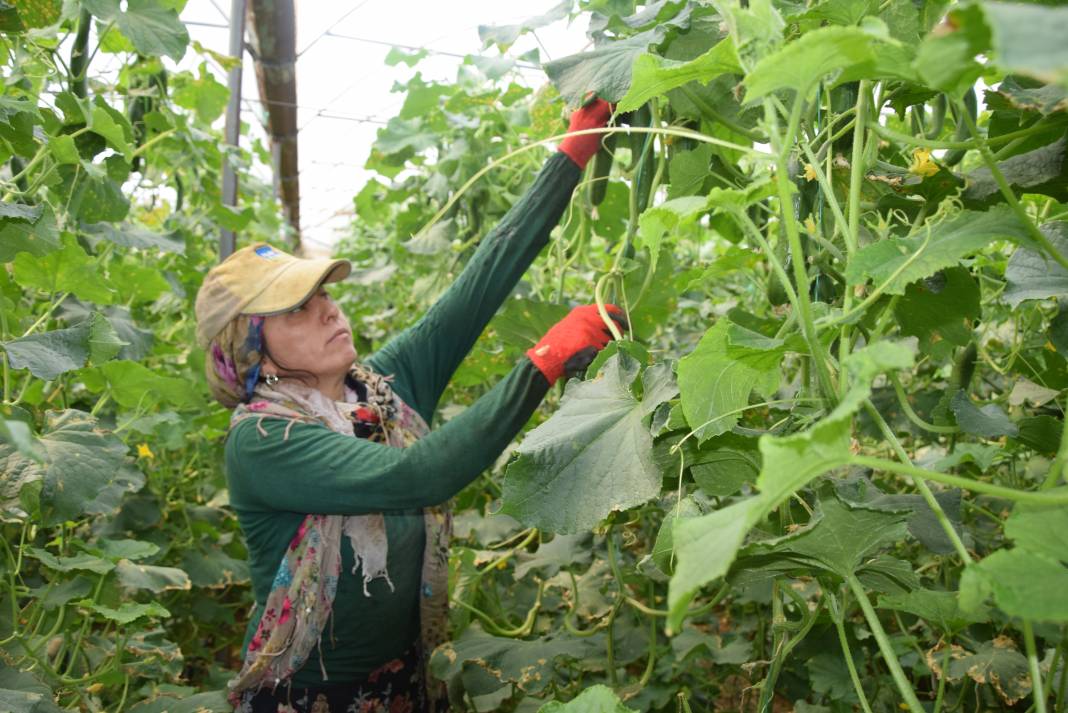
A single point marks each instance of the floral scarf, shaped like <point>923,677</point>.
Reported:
<point>301,598</point>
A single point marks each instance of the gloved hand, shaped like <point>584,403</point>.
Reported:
<point>593,115</point>
<point>571,344</point>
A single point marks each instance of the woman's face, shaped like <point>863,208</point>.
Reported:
<point>314,337</point>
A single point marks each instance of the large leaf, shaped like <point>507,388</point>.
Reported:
<point>801,64</point>
<point>1029,39</point>
<point>707,545</point>
<point>653,76</point>
<point>596,699</point>
<point>1030,579</point>
<point>899,261</point>
<point>30,232</point>
<point>66,270</point>
<point>150,577</point>
<point>940,311</point>
<point>1035,276</point>
<point>49,354</point>
<point>939,609</point>
<point>1043,170</point>
<point>604,71</point>
<point>988,421</point>
<point>151,26</point>
<point>82,460</point>
<point>717,377</point>
<point>129,235</point>
<point>504,35</point>
<point>134,385</point>
<point>527,664</point>
<point>838,538</point>
<point>594,455</point>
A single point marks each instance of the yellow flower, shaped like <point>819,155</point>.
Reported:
<point>810,225</point>
<point>922,165</point>
<point>143,451</point>
<point>810,173</point>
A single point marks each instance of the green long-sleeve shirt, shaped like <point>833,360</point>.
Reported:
<point>275,482</point>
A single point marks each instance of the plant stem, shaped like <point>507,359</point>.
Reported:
<point>903,400</point>
<point>885,646</point>
<point>909,140</point>
<point>975,486</point>
<point>786,206</point>
<point>1037,693</point>
<point>1056,469</point>
<point>839,623</point>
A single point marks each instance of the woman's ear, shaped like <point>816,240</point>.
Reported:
<point>268,367</point>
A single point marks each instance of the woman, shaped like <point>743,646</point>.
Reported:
<point>338,483</point>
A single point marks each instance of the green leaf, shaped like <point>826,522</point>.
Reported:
<point>939,609</point>
<point>82,562</point>
<point>127,612</point>
<point>801,64</point>
<point>19,435</point>
<point>82,460</point>
<point>127,549</point>
<point>49,354</point>
<point>595,699</point>
<point>153,28</point>
<point>1028,580</point>
<point>527,664</point>
<point>653,76</point>
<point>504,35</point>
<point>150,577</point>
<point>130,235</point>
<point>899,261</point>
<point>840,536</point>
<point>135,386</point>
<point>1043,170</point>
<point>19,211</point>
<point>940,311</point>
<point>997,663</point>
<point>103,340</point>
<point>104,124</point>
<point>1045,99</point>
<point>986,422</point>
<point>604,71</point>
<point>724,471</point>
<point>213,568</point>
<point>67,270</point>
<point>64,150</point>
<point>717,378</point>
<point>204,95</point>
<point>1033,275</point>
<point>664,219</point>
<point>706,546</point>
<point>1028,39</point>
<point>594,455</point>
<point>36,237</point>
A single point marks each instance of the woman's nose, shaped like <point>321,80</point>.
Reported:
<point>328,309</point>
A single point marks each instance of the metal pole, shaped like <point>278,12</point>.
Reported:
<point>227,239</point>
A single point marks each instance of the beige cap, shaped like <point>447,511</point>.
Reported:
<point>260,280</point>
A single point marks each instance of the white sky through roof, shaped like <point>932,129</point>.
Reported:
<point>343,84</point>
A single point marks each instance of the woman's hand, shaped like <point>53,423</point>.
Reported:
<point>571,344</point>
<point>592,115</point>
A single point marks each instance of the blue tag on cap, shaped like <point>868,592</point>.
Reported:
<point>267,252</point>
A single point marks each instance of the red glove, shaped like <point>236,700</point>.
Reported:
<point>593,115</point>
<point>571,344</point>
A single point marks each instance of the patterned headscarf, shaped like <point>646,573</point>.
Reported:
<point>233,361</point>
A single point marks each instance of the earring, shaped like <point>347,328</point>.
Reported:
<point>271,379</point>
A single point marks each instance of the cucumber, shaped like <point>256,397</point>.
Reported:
<point>602,167</point>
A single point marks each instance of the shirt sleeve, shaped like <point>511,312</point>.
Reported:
<point>424,357</point>
<point>316,470</point>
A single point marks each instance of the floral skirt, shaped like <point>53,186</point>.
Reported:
<point>396,686</point>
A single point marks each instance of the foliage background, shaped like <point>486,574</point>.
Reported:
<point>830,474</point>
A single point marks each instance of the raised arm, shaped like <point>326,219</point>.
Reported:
<point>425,356</point>
<point>309,468</point>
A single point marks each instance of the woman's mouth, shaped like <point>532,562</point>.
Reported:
<point>337,334</point>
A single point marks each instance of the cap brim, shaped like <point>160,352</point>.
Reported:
<point>296,284</point>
